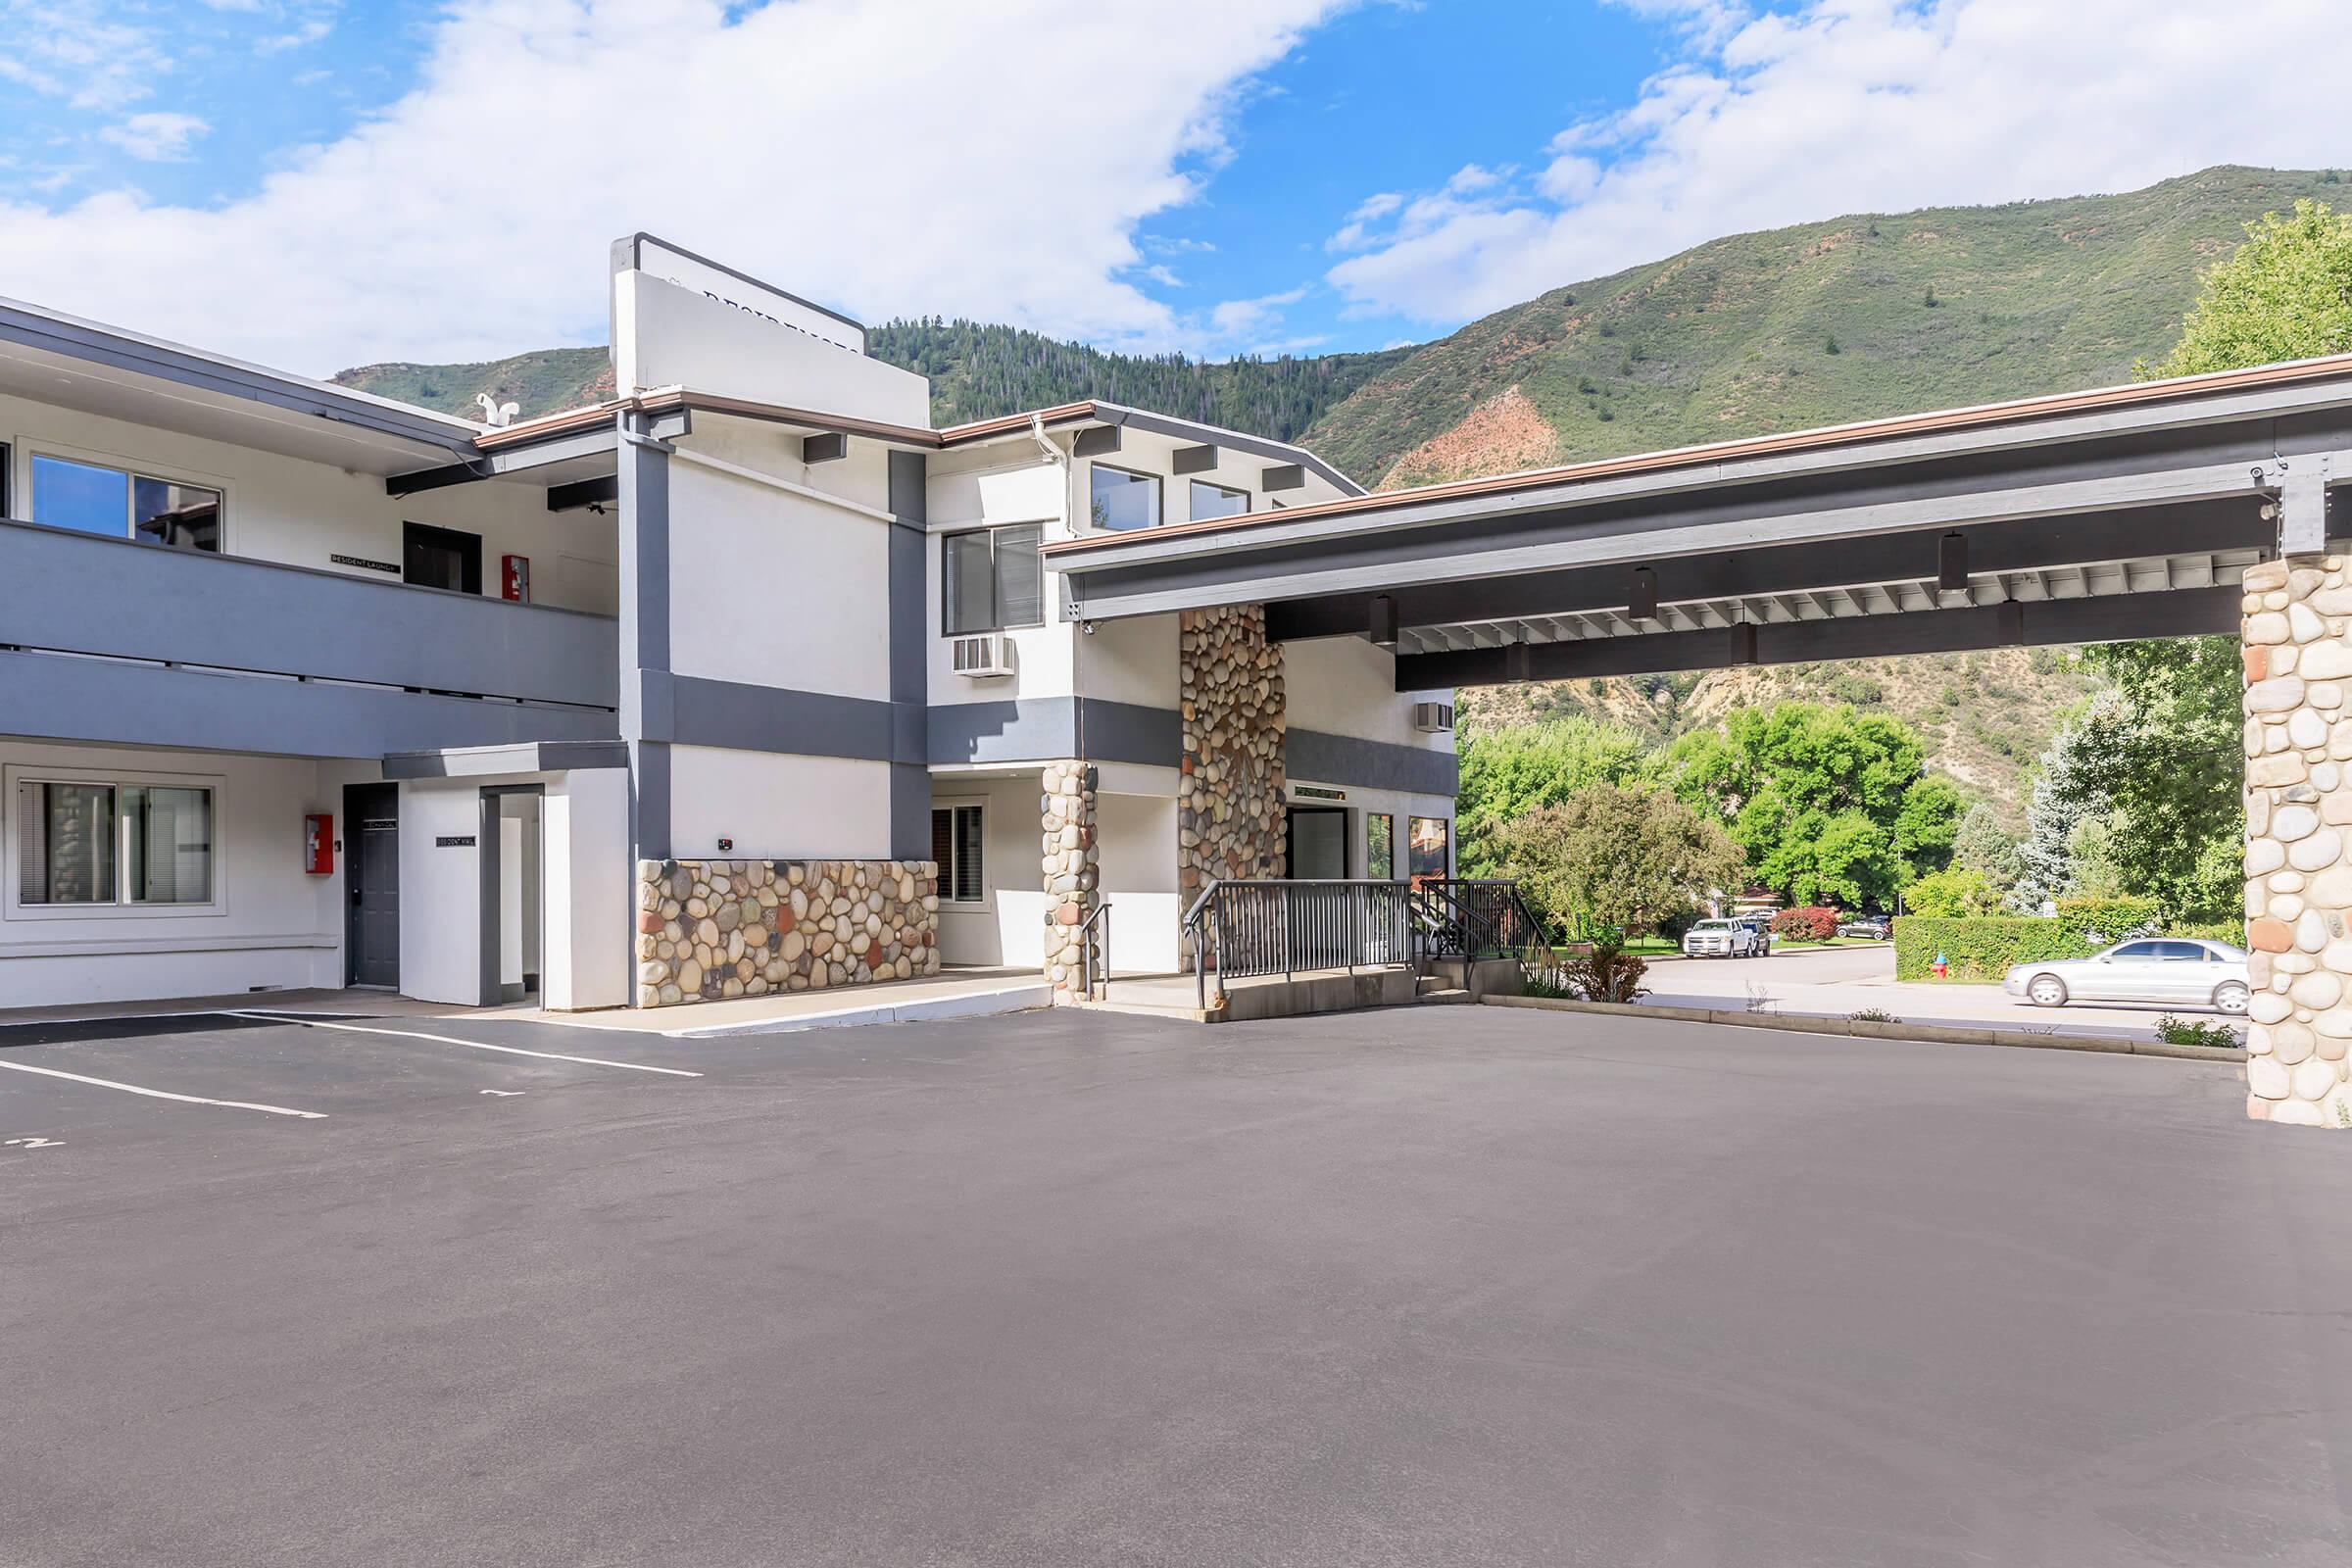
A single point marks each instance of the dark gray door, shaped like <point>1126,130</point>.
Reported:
<point>371,868</point>
<point>1318,843</point>
<point>440,557</point>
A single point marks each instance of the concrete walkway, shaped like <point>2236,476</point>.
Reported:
<point>974,993</point>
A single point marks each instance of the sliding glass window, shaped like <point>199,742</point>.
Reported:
<point>122,504</point>
<point>80,843</point>
<point>992,579</point>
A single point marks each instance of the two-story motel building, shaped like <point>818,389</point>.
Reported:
<point>746,680</point>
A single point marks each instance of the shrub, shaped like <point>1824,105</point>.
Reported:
<point>1955,891</point>
<point>1872,1016</point>
<point>2195,1032</point>
<point>1606,972</point>
<point>1812,922</point>
<point>2110,919</point>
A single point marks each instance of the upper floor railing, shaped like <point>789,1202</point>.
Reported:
<point>395,668</point>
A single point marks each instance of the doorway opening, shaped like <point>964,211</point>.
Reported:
<point>514,864</point>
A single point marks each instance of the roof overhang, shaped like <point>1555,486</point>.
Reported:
<point>2137,494</point>
<point>50,356</point>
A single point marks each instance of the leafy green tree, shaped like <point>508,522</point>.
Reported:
<point>1615,856</point>
<point>1953,893</point>
<point>1830,806</point>
<point>1507,774</point>
<point>1985,846</point>
<point>2284,294</point>
<point>2065,792</point>
<point>2094,869</point>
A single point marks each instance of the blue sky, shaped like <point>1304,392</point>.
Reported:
<point>316,183</point>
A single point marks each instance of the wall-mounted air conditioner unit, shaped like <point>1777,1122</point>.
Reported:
<point>1433,718</point>
<point>987,656</point>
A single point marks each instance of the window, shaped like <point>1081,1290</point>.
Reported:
<point>993,579</point>
<point>90,498</point>
<point>1216,501</point>
<point>1122,501</point>
<point>1380,846</point>
<point>440,557</point>
<point>955,845</point>
<point>81,843</point>
<point>1429,845</point>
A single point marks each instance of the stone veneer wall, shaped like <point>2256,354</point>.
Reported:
<point>713,929</point>
<point>2298,812</point>
<point>1069,861</point>
<point>1231,798</point>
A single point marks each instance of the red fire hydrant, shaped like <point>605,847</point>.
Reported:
<point>1941,970</point>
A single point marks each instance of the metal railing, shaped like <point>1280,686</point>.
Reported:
<point>1477,917</point>
<point>1094,954</point>
<point>1242,929</point>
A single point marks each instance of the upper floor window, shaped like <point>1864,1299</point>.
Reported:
<point>1121,499</point>
<point>993,578</point>
<point>91,498</point>
<point>1216,501</point>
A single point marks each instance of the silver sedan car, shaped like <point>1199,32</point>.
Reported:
<point>2177,971</point>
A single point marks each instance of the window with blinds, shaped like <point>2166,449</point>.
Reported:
<point>80,843</point>
<point>955,845</point>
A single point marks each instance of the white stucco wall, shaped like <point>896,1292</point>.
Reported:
<point>777,805</point>
<point>268,924</point>
<point>1136,835</point>
<point>440,890</point>
<point>673,336</point>
<point>589,909</point>
<point>1007,927</point>
<point>1345,686</point>
<point>288,509</point>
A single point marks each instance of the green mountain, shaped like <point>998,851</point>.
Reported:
<point>977,371</point>
<point>1819,324</point>
<point>1857,317</point>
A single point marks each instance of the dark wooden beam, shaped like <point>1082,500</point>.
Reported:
<point>1284,477</point>
<point>441,478</point>
<point>2181,613</point>
<point>1096,441</point>
<point>579,493</point>
<point>829,446</point>
<point>1196,460</point>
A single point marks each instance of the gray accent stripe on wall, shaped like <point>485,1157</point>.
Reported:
<point>645,640</point>
<point>909,657</point>
<point>1042,728</point>
<point>1370,765</point>
<point>741,718</point>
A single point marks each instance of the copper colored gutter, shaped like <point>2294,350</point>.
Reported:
<point>1826,438</point>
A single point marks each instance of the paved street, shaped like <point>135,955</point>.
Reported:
<point>1444,1284</point>
<point>1836,982</point>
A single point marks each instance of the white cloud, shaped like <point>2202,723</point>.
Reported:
<point>885,156</point>
<point>1811,110</point>
<point>155,137</point>
<point>1249,318</point>
<point>71,51</point>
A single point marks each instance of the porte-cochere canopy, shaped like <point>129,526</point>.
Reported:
<point>2125,511</point>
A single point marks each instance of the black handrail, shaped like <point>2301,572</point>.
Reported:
<point>1096,924</point>
<point>1477,917</point>
<point>1282,926</point>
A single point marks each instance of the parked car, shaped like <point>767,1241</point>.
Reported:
<point>1723,939</point>
<point>1762,926</point>
<point>1870,927</point>
<point>2175,971</point>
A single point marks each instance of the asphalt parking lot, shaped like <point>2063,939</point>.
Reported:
<point>1441,1284</point>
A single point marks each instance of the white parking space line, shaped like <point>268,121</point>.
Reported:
<point>453,1040</point>
<point>161,1094</point>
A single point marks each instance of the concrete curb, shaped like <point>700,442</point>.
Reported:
<point>1934,1034</point>
<point>980,1005</point>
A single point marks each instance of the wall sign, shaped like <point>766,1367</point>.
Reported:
<point>454,841</point>
<point>1316,792</point>
<point>365,564</point>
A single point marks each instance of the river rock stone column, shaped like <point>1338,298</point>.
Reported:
<point>1231,794</point>
<point>711,930</point>
<point>1068,860</point>
<point>2298,666</point>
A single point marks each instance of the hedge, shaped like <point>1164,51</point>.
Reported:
<point>1983,949</point>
